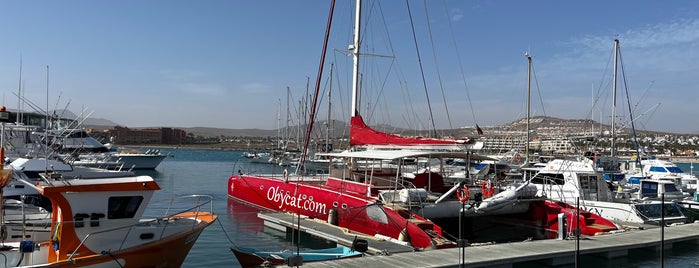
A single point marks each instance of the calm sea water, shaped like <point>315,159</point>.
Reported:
<point>194,171</point>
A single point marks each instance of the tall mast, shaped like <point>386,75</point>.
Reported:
<point>616,58</point>
<point>18,118</point>
<point>288,118</point>
<point>279,123</point>
<point>327,122</point>
<point>529,93</point>
<point>355,55</point>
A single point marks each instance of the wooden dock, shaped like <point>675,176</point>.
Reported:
<point>552,251</point>
<point>341,236</point>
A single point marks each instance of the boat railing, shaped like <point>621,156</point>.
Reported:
<point>203,207</point>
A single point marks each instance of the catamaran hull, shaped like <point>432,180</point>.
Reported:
<point>336,204</point>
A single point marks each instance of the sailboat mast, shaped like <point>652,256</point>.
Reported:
<point>529,93</point>
<point>327,122</point>
<point>355,56</point>
<point>279,123</point>
<point>287,135</point>
<point>616,58</point>
<point>19,94</point>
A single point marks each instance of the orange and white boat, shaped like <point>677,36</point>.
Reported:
<point>99,223</point>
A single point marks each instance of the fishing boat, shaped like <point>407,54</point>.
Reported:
<point>107,222</point>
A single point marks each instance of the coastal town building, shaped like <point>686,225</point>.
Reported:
<point>163,135</point>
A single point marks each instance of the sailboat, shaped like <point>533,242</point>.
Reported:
<point>581,182</point>
<point>347,203</point>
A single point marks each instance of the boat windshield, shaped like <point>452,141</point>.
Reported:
<point>670,188</point>
<point>675,170</point>
<point>548,178</point>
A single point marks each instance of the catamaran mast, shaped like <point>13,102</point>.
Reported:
<point>616,58</point>
<point>355,56</point>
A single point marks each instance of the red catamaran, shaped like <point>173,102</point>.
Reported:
<point>351,196</point>
<point>350,203</point>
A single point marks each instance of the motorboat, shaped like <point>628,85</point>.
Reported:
<point>101,222</point>
<point>578,183</point>
<point>248,257</point>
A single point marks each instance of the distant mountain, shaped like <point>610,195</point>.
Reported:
<point>337,128</point>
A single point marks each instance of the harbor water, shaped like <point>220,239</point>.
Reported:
<point>202,171</point>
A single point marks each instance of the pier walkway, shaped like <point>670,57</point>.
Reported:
<point>341,236</point>
<point>552,251</point>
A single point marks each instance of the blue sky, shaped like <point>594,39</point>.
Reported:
<point>228,64</point>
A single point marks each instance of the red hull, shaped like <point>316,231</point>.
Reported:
<point>347,200</point>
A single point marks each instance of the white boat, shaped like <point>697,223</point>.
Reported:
<point>99,222</point>
<point>579,183</point>
<point>135,159</point>
<point>666,170</point>
<point>107,222</point>
<point>32,170</point>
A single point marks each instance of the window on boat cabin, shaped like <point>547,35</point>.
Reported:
<point>121,207</point>
<point>650,189</point>
<point>588,185</point>
<point>670,187</point>
<point>543,178</point>
<point>675,170</point>
<point>658,169</point>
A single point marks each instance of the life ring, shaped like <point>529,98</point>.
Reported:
<point>487,188</point>
<point>463,193</point>
<point>518,158</point>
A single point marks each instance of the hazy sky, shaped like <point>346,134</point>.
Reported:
<point>228,64</point>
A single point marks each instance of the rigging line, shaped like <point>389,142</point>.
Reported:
<point>317,86</point>
<point>399,73</point>
<point>628,100</point>
<point>422,71</point>
<point>461,66</point>
<point>536,81</point>
<point>31,104</point>
<point>434,54</point>
<point>401,76</point>
<point>602,83</point>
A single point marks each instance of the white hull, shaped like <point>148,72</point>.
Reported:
<point>138,161</point>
